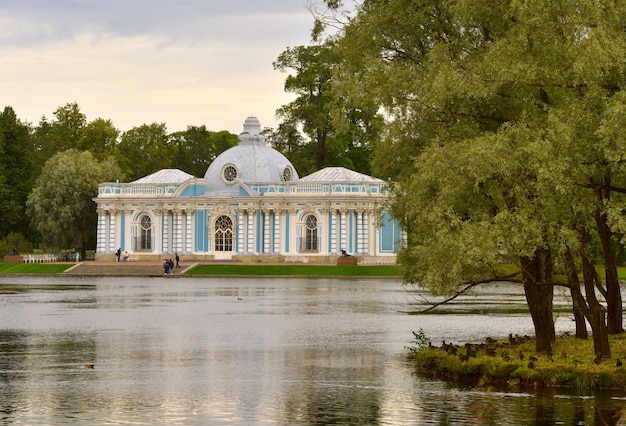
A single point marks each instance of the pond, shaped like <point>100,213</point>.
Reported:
<point>243,351</point>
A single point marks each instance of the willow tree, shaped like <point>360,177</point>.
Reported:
<point>61,204</point>
<point>500,137</point>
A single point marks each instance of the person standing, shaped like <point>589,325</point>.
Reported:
<point>118,253</point>
<point>177,260</point>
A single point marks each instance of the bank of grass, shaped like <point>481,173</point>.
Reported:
<point>296,270</point>
<point>572,364</point>
<point>34,268</point>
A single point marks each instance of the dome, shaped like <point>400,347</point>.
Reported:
<point>250,161</point>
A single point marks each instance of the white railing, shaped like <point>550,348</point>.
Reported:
<point>116,189</point>
<point>298,188</point>
<point>376,260</point>
<point>294,188</point>
<point>40,258</point>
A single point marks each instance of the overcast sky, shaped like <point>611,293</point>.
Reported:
<point>178,62</point>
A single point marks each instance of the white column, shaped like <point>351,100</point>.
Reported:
<point>365,232</point>
<point>373,232</point>
<point>343,241</point>
<point>334,232</point>
<point>177,229</point>
<point>189,231</point>
<point>360,238</point>
<point>101,232</point>
<point>241,232</point>
<point>276,230</point>
<point>250,231</point>
<point>266,231</point>
<point>112,232</point>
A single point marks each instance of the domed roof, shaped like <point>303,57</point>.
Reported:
<point>250,161</point>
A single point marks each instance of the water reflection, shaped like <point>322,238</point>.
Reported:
<point>253,351</point>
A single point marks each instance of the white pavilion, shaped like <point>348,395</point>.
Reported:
<point>251,205</point>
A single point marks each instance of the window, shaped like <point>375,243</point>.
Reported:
<point>310,242</point>
<point>223,234</point>
<point>145,233</point>
<point>229,173</point>
<point>287,174</point>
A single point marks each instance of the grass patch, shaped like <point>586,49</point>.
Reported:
<point>299,270</point>
<point>515,363</point>
<point>33,268</point>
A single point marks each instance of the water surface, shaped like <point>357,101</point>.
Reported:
<point>254,351</point>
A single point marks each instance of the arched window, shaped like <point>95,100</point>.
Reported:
<point>145,233</point>
<point>310,242</point>
<point>223,234</point>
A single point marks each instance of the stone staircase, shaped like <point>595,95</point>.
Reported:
<point>149,269</point>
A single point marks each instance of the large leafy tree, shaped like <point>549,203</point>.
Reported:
<point>504,139</point>
<point>61,204</point>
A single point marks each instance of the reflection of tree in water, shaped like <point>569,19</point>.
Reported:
<point>486,406</point>
<point>342,387</point>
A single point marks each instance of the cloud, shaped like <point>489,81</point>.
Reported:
<point>183,63</point>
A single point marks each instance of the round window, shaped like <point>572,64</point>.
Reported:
<point>287,174</point>
<point>229,173</point>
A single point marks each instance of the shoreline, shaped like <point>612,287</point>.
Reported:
<point>221,270</point>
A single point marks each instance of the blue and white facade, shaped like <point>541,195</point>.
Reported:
<point>250,205</point>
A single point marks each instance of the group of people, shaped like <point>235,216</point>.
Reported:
<point>121,256</point>
<point>168,264</point>
<point>74,256</point>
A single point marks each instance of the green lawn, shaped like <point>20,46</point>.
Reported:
<point>33,268</point>
<point>300,270</point>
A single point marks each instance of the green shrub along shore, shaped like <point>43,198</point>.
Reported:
<point>513,362</point>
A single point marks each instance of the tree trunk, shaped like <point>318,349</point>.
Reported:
<point>613,294</point>
<point>578,301</point>
<point>536,275</point>
<point>596,312</point>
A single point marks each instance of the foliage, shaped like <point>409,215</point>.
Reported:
<point>518,364</point>
<point>420,342</point>
<point>16,173</point>
<point>504,134</point>
<point>61,203</point>
<point>340,133</point>
<point>62,133</point>
<point>14,240</point>
<point>144,150</point>
<point>195,148</point>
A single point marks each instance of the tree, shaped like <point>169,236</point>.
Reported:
<point>196,148</point>
<point>16,173</point>
<point>502,124</point>
<point>62,133</point>
<point>339,132</point>
<point>100,138</point>
<point>145,150</point>
<point>61,204</point>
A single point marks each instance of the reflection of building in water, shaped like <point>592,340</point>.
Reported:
<point>250,205</point>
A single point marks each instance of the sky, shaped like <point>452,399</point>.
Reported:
<point>178,62</point>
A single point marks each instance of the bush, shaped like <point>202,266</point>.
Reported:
<point>14,240</point>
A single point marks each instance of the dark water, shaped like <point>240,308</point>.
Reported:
<point>254,352</point>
